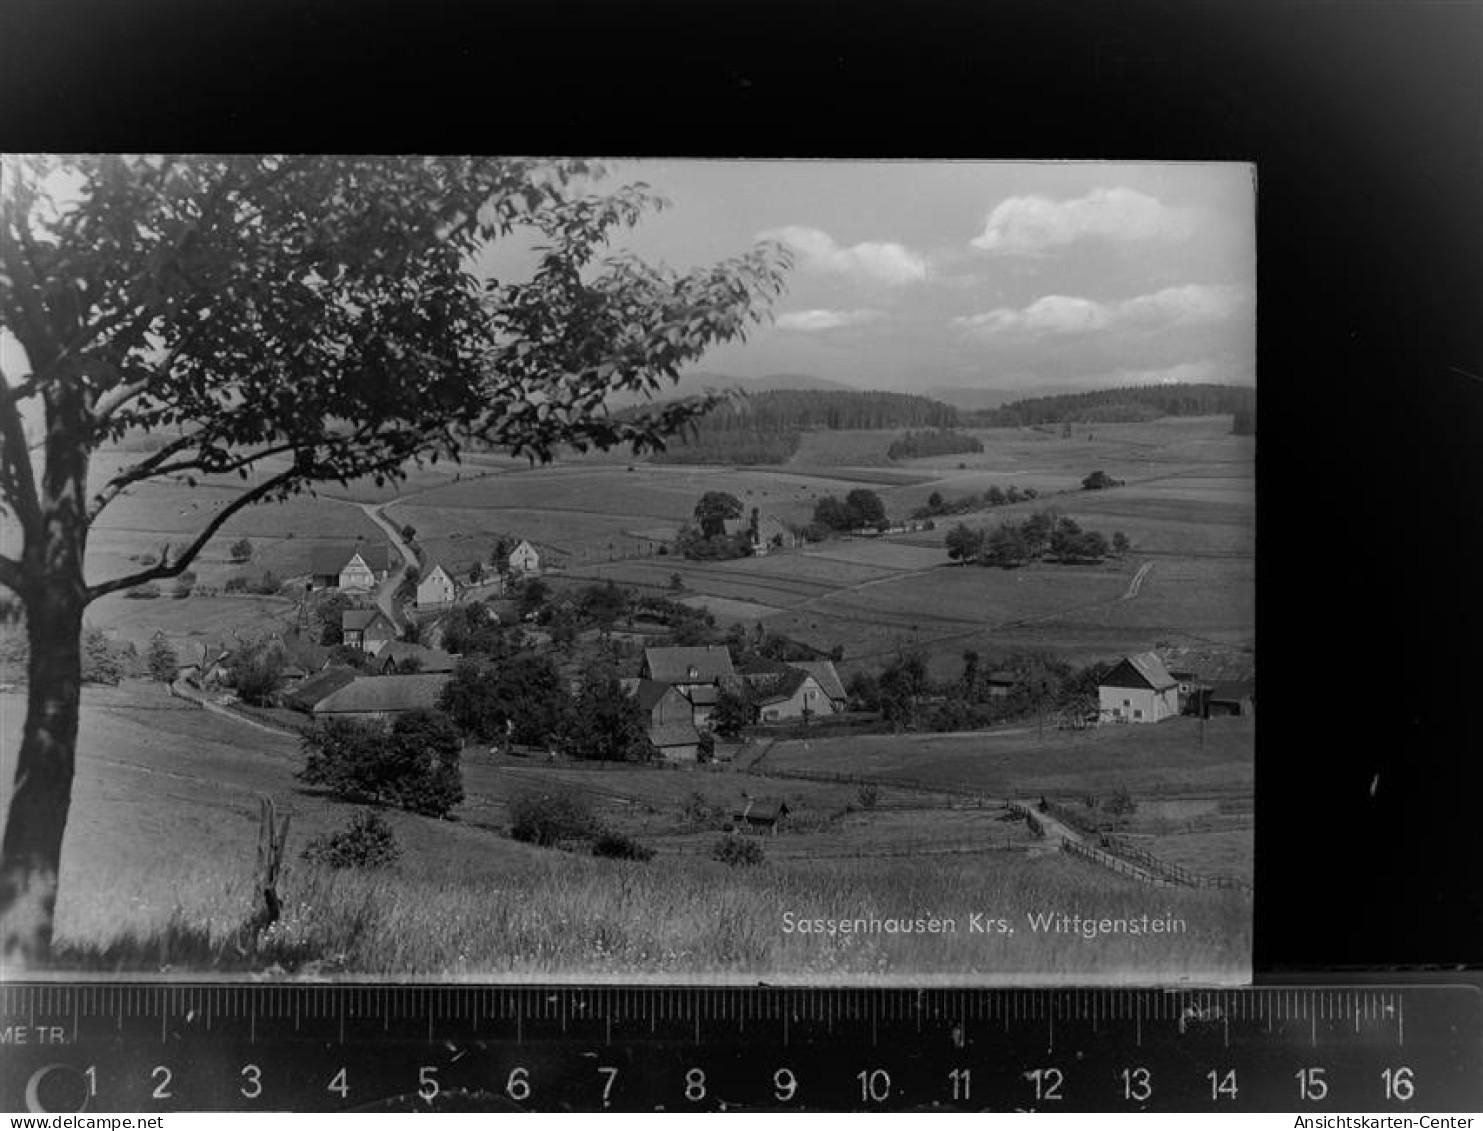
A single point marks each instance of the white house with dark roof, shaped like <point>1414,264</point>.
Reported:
<point>1138,690</point>
<point>525,559</point>
<point>354,566</point>
<point>436,588</point>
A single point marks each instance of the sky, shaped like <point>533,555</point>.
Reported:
<point>996,275</point>
<point>1001,276</point>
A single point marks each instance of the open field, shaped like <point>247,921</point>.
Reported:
<point>157,865</point>
<point>1166,760</point>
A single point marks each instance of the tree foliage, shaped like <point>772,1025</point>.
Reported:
<point>714,509</point>
<point>521,698</point>
<point>413,764</point>
<point>606,723</point>
<point>281,322</point>
<point>161,659</point>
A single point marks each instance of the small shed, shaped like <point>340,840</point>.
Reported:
<point>760,817</point>
<point>1233,698</point>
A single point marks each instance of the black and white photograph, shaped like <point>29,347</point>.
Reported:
<point>497,569</point>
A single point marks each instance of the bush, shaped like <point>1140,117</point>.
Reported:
<point>236,584</point>
<point>366,842</point>
<point>546,819</point>
<point>869,795</point>
<point>738,851</point>
<point>241,550</point>
<point>616,846</point>
<point>147,591</point>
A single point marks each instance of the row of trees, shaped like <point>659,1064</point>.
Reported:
<point>861,508</point>
<point>995,496</point>
<point>1140,402</point>
<point>1044,534</point>
<point>934,442</point>
<point>524,700</point>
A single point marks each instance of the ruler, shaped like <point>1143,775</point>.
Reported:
<point>333,1047</point>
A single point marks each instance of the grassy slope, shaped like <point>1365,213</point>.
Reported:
<point>158,859</point>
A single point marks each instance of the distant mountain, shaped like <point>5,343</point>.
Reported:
<point>693,384</point>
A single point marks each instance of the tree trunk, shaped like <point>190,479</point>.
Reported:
<point>31,855</point>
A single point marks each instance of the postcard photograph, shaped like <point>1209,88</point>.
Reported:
<point>473,569</point>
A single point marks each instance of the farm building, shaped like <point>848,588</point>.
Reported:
<point>319,686</point>
<point>1138,690</point>
<point>358,566</point>
<point>675,742</point>
<point>696,673</point>
<point>797,695</point>
<point>760,816</point>
<point>999,683</point>
<point>382,697</point>
<point>366,629</point>
<point>1228,699</point>
<point>396,655</point>
<point>436,589</point>
<point>827,679</point>
<point>524,559</point>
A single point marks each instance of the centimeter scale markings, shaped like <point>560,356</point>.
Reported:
<point>172,1047</point>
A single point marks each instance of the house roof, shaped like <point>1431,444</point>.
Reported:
<point>319,686</point>
<point>785,688</point>
<point>649,692</point>
<point>825,675</point>
<point>1211,665</point>
<point>435,567</point>
<point>391,693</point>
<point>1150,669</point>
<point>674,734</point>
<point>761,811</point>
<point>363,618</point>
<point>523,547</point>
<point>332,559</point>
<point>704,695</point>
<point>433,659</point>
<point>1232,691</point>
<point>675,665</point>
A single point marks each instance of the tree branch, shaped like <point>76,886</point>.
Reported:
<point>175,568</point>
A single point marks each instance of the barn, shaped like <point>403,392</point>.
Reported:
<point>1139,689</point>
<point>382,697</point>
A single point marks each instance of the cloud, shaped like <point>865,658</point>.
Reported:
<point>889,263</point>
<point>1193,304</point>
<point>815,320</point>
<point>1029,225</point>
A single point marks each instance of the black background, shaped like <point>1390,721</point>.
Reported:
<point>1366,123</point>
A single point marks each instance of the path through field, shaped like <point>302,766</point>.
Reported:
<point>393,582</point>
<point>1137,582</point>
